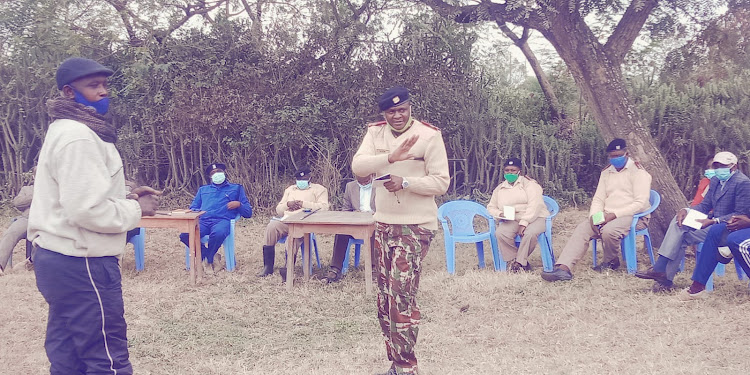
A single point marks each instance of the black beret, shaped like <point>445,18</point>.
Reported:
<point>516,162</point>
<point>213,166</point>
<point>77,67</point>
<point>616,144</point>
<point>393,97</point>
<point>302,172</point>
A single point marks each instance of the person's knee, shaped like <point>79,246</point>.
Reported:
<point>611,234</point>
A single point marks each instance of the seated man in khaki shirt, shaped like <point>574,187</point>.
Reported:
<point>623,191</point>
<point>302,195</point>
<point>525,196</point>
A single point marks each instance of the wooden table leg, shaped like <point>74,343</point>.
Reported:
<point>289,260</point>
<point>196,250</point>
<point>191,245</point>
<point>307,257</point>
<point>368,262</point>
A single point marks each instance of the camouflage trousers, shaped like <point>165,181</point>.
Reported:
<point>399,250</point>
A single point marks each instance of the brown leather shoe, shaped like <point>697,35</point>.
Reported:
<point>650,274</point>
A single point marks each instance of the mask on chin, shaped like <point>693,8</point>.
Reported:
<point>101,106</point>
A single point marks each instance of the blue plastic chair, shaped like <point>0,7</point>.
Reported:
<point>357,247</point>
<point>627,244</point>
<point>228,245</point>
<point>545,239</point>
<point>314,243</point>
<point>461,215</point>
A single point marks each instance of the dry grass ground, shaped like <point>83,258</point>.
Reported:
<point>477,322</point>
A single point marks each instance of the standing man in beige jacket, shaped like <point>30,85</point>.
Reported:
<point>77,224</point>
<point>413,154</point>
<point>623,191</point>
<point>524,195</point>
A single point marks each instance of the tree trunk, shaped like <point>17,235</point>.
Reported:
<point>604,91</point>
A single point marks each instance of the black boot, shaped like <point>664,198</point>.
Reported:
<point>269,252</point>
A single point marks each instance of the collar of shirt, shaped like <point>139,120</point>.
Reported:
<point>506,185</point>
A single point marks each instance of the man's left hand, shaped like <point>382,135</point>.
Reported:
<point>394,184</point>
<point>520,230</point>
<point>608,216</point>
<point>233,205</point>
<point>706,222</point>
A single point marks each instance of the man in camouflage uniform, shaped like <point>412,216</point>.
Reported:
<point>413,154</point>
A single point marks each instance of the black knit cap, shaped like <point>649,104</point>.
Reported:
<point>516,162</point>
<point>213,166</point>
<point>616,144</point>
<point>74,68</point>
<point>393,97</point>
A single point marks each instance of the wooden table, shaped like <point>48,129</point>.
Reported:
<point>186,223</point>
<point>359,225</point>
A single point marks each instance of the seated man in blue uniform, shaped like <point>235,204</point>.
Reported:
<point>222,201</point>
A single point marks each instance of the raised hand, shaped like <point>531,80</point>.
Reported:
<point>402,151</point>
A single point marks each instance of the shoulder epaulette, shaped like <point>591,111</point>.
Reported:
<point>605,168</point>
<point>430,126</point>
<point>529,178</point>
<point>638,165</point>
<point>379,123</point>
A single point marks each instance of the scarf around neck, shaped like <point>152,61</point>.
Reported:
<point>61,108</point>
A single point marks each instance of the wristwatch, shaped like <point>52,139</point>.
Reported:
<point>404,184</point>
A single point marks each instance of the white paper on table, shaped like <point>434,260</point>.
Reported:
<point>280,218</point>
<point>509,213</point>
<point>692,217</point>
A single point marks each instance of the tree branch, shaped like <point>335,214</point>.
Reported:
<point>488,11</point>
<point>627,30</point>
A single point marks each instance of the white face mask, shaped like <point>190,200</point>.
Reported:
<point>218,178</point>
<point>366,186</point>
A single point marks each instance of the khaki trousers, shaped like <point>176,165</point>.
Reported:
<point>506,239</point>
<point>277,230</point>
<point>611,234</point>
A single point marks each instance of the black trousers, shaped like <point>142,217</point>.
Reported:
<point>86,329</point>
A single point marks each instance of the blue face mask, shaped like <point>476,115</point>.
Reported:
<point>218,178</point>
<point>723,174</point>
<point>619,161</point>
<point>303,184</point>
<point>710,173</point>
<point>101,106</point>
